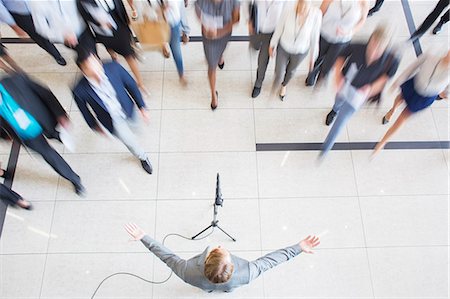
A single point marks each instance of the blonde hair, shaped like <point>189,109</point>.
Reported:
<point>381,34</point>
<point>217,268</point>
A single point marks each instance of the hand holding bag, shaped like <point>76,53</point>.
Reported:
<point>151,33</point>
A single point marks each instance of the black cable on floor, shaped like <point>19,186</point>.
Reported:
<point>141,278</point>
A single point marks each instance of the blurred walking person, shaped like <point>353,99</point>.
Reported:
<point>341,20</point>
<point>362,71</point>
<point>296,34</point>
<point>17,15</point>
<point>261,29</point>
<point>217,18</point>
<point>424,81</point>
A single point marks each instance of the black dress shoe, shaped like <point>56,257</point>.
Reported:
<point>147,166</point>
<point>256,91</point>
<point>215,107</point>
<point>4,173</point>
<point>61,61</point>
<point>438,28</point>
<point>330,117</point>
<point>80,190</point>
<point>221,66</point>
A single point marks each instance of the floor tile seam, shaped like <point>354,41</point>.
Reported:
<point>361,217</point>
<point>257,177</point>
<point>324,197</point>
<point>158,181</point>
<point>263,249</point>
<point>448,138</point>
<point>49,239</point>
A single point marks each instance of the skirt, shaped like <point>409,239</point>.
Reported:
<point>214,49</point>
<point>414,101</point>
<point>120,42</point>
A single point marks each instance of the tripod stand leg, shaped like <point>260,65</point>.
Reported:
<point>234,240</point>
<point>193,238</point>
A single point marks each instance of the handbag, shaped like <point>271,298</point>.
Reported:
<point>151,33</point>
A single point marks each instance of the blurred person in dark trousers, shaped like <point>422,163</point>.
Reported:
<point>29,112</point>
<point>17,15</point>
<point>362,71</point>
<point>431,18</point>
<point>113,95</point>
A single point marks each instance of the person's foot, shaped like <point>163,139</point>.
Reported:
<point>3,173</point>
<point>282,93</point>
<point>438,28</point>
<point>183,81</point>
<point>386,118</point>
<point>80,190</point>
<point>147,166</point>
<point>215,102</point>
<point>256,91</point>
<point>61,61</point>
<point>143,90</point>
<point>330,117</point>
<point>221,65</point>
<point>24,204</point>
<point>185,38</point>
<point>134,14</point>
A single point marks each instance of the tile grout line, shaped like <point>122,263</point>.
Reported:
<point>157,175</point>
<point>257,172</point>
<point>362,225</point>
<point>49,238</point>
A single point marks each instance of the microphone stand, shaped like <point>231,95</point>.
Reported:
<point>217,203</point>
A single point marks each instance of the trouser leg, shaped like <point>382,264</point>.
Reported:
<point>281,63</point>
<point>345,112</point>
<point>123,132</point>
<point>431,18</point>
<point>376,7</point>
<point>51,156</point>
<point>263,59</point>
<point>445,17</point>
<point>26,23</point>
<point>330,58</point>
<point>294,62</point>
<point>176,48</point>
<point>8,194</point>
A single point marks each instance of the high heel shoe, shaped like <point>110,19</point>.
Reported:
<point>215,107</point>
<point>221,65</point>
<point>385,120</point>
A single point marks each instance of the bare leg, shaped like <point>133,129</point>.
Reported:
<point>398,123</point>
<point>212,85</point>
<point>112,54</point>
<point>6,68</point>
<point>132,62</point>
<point>397,102</point>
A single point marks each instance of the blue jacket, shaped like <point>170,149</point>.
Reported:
<point>127,91</point>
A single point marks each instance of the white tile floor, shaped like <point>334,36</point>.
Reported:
<point>383,223</point>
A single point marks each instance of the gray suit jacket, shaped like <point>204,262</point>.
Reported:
<point>191,271</point>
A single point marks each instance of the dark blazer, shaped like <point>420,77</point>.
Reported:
<point>119,7</point>
<point>37,100</point>
<point>127,91</point>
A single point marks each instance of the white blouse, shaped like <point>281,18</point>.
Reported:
<point>54,19</point>
<point>431,75</point>
<point>296,38</point>
<point>269,12</point>
<point>343,14</point>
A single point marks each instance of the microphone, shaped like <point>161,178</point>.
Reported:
<point>219,199</point>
